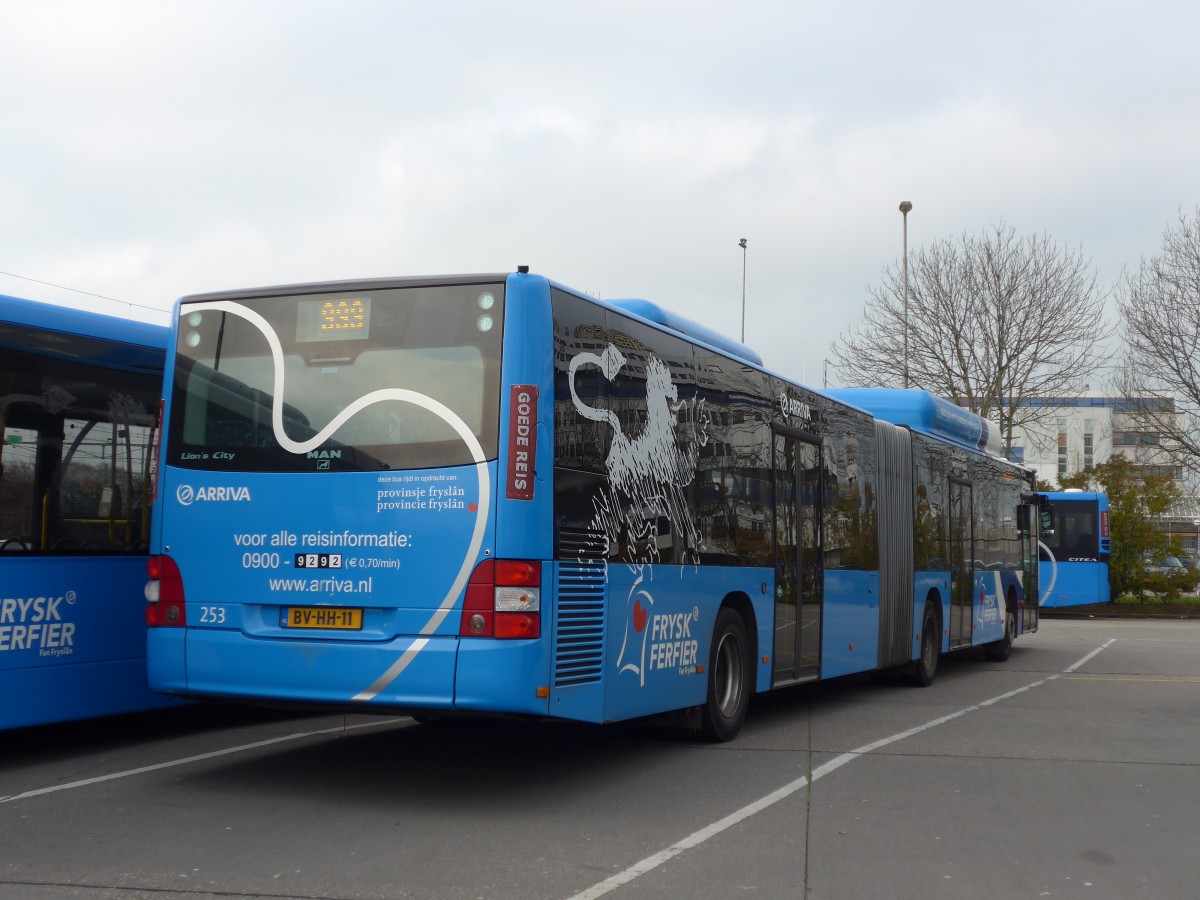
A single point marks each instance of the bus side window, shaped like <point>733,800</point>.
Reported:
<point>17,495</point>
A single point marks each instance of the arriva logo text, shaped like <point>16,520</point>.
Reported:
<point>187,495</point>
<point>792,407</point>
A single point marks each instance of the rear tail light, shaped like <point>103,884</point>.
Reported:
<point>164,594</point>
<point>504,600</point>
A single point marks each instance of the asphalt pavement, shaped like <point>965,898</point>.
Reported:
<point>1071,770</point>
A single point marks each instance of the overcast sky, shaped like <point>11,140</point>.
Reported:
<point>154,149</point>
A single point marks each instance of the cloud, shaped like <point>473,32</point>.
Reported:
<point>168,147</point>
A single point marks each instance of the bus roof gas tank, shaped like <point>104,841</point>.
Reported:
<point>925,412</point>
<point>652,312</point>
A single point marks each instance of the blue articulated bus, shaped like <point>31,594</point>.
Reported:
<point>1073,570</point>
<point>994,554</point>
<point>496,495</point>
<point>80,396</point>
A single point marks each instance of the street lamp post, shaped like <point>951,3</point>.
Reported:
<point>905,206</point>
<point>742,244</point>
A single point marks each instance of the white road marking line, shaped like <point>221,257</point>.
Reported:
<point>191,759</point>
<point>1089,657</point>
<point>698,837</point>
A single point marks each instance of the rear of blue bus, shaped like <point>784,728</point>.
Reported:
<point>335,458</point>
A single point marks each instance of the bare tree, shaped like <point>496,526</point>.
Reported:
<point>993,322</point>
<point>1160,322</point>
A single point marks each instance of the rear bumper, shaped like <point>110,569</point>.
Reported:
<point>435,673</point>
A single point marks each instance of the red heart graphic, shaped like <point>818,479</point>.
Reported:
<point>472,506</point>
<point>639,616</point>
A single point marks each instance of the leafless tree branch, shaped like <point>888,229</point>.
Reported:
<point>1160,321</point>
<point>993,321</point>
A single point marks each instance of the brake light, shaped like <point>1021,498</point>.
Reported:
<point>518,572</point>
<point>503,600</point>
<point>164,594</point>
<point>1104,532</point>
<point>518,625</point>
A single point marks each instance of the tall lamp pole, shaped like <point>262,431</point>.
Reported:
<point>905,206</point>
<point>742,244</point>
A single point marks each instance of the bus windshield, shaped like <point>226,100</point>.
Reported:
<point>359,380</point>
<point>1076,530</point>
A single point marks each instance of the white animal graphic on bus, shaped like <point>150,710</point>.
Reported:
<point>644,503</point>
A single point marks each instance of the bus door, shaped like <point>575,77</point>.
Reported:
<point>962,563</point>
<point>1035,514</point>
<point>798,579</point>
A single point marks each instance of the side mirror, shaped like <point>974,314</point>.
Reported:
<point>1045,516</point>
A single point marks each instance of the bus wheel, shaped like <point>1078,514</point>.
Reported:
<point>729,679</point>
<point>998,651</point>
<point>927,662</point>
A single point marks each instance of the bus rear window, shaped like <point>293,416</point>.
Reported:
<point>385,379</point>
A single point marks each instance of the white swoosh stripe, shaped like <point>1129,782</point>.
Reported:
<point>424,401</point>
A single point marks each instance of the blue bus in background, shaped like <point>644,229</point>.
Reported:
<point>492,494</point>
<point>80,397</point>
<point>1073,567</point>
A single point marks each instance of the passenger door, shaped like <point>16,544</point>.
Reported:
<point>798,572</point>
<point>962,563</point>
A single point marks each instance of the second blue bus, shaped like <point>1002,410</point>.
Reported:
<point>79,404</point>
<point>1074,555</point>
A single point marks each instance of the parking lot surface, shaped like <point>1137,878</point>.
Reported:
<point>1072,770</point>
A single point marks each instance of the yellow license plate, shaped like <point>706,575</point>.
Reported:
<point>322,617</point>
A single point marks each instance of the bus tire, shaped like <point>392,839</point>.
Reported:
<point>999,651</point>
<point>926,665</point>
<point>729,679</point>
